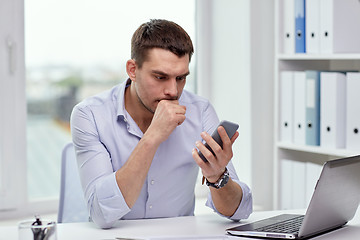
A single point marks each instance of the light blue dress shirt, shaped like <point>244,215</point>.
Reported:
<point>104,136</point>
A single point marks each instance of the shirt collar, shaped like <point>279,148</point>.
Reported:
<point>121,99</point>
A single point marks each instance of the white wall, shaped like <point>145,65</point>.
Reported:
<point>224,69</point>
<point>262,101</point>
<point>235,64</point>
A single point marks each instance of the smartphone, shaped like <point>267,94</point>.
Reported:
<point>230,129</point>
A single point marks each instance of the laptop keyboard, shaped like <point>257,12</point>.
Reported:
<point>288,226</point>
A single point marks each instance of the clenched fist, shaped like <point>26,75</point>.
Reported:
<point>168,115</point>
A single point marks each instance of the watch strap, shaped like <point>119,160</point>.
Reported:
<point>221,182</point>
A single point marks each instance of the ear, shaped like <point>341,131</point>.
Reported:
<point>131,69</point>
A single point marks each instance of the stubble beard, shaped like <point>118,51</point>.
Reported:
<point>148,108</point>
<point>143,104</point>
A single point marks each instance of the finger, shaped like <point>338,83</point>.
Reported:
<point>225,139</point>
<point>223,135</point>
<point>181,119</point>
<point>181,109</point>
<point>172,112</point>
<point>175,104</point>
<point>207,169</point>
<point>233,138</point>
<point>206,152</point>
<point>172,101</point>
<point>215,147</point>
<point>198,160</point>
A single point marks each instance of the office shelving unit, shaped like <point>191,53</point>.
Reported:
<point>301,62</point>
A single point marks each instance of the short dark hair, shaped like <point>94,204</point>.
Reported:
<point>160,33</point>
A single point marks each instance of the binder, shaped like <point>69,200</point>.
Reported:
<point>339,26</point>
<point>298,185</point>
<point>312,26</point>
<point>353,111</point>
<point>286,105</point>
<point>300,26</point>
<point>299,108</point>
<point>332,109</point>
<point>288,36</point>
<point>286,186</point>
<point>312,131</point>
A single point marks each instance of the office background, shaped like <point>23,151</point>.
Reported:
<point>234,45</point>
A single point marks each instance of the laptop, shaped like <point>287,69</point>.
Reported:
<point>334,202</point>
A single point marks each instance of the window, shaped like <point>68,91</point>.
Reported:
<point>75,49</point>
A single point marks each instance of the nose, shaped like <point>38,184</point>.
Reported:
<point>171,88</point>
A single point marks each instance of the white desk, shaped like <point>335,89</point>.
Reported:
<point>204,225</point>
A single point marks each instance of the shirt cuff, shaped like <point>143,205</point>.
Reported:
<point>110,200</point>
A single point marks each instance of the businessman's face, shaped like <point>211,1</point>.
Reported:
<point>161,77</point>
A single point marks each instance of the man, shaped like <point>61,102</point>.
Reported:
<point>135,143</point>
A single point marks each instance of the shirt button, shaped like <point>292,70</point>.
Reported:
<point>150,206</point>
<point>152,182</point>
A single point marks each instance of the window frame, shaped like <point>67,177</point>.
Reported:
<point>13,191</point>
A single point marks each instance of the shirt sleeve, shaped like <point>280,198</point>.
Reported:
<point>210,122</point>
<point>105,201</point>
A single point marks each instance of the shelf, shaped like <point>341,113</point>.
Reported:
<point>296,154</point>
<point>344,56</point>
<point>317,150</point>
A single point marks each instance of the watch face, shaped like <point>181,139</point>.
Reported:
<point>223,180</point>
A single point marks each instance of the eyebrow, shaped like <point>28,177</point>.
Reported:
<point>165,74</point>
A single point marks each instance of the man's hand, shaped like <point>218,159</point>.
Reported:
<point>168,115</point>
<point>228,198</point>
<point>217,163</point>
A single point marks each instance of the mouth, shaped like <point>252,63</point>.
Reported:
<point>168,99</point>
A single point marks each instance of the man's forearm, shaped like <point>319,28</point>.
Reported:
<point>131,177</point>
<point>228,198</point>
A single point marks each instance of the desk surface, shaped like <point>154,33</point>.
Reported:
<point>197,227</point>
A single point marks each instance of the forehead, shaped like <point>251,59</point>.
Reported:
<point>163,60</point>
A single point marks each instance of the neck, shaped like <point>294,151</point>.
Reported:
<point>136,109</point>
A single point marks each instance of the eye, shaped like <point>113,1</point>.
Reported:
<point>160,77</point>
<point>181,78</point>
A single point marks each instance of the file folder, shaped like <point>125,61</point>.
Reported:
<point>288,20</point>
<point>333,109</point>
<point>300,26</point>
<point>339,26</point>
<point>312,108</point>
<point>286,105</point>
<point>299,108</point>
<point>312,26</point>
<point>353,111</point>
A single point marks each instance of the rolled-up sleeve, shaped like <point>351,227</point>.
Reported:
<point>108,204</point>
<point>105,201</point>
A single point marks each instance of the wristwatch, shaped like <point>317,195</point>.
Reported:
<point>222,181</point>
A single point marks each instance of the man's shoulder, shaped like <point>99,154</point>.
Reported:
<point>191,98</point>
<point>99,100</point>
